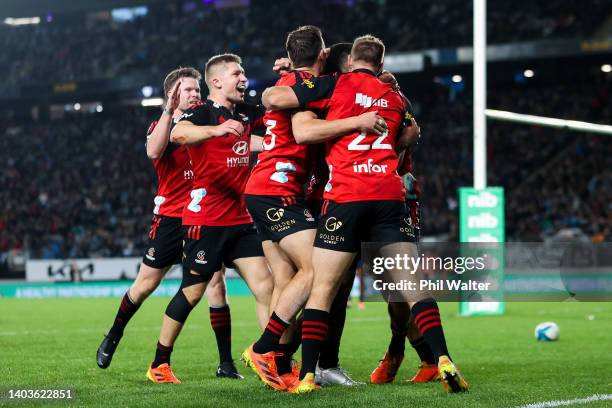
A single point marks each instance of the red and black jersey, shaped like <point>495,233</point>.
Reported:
<point>174,178</point>
<point>362,167</point>
<point>282,167</point>
<point>220,166</point>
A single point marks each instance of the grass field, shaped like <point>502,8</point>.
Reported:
<point>51,344</point>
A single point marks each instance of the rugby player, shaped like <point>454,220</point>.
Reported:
<point>402,322</point>
<point>364,198</point>
<point>275,198</point>
<point>174,175</point>
<point>218,228</point>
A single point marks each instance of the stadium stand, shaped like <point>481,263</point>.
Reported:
<point>90,185</point>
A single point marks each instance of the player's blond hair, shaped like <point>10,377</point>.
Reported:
<point>368,49</point>
<point>218,60</point>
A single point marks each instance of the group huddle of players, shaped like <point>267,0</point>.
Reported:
<point>328,177</point>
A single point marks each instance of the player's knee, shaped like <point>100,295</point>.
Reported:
<point>179,307</point>
<point>216,294</point>
<point>148,286</point>
<point>263,290</point>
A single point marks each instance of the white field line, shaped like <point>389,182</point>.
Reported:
<point>156,328</point>
<point>563,403</point>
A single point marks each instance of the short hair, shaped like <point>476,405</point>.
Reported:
<point>304,45</point>
<point>218,60</point>
<point>368,49</point>
<point>337,60</point>
<point>180,72</point>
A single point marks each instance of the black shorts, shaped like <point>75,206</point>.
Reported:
<point>165,242</point>
<point>315,207</point>
<point>277,217</point>
<point>207,248</point>
<point>344,226</point>
<point>413,207</point>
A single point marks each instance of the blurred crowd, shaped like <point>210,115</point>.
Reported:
<point>77,187</point>
<point>93,46</point>
<point>554,179</point>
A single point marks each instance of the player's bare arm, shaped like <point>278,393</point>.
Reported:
<point>157,141</point>
<point>308,129</point>
<point>409,136</point>
<point>279,97</point>
<point>186,133</point>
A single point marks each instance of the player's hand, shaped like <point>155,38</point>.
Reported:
<point>389,78</point>
<point>173,99</point>
<point>230,126</point>
<point>282,66</point>
<point>371,122</point>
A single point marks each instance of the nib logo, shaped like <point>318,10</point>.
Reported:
<point>483,220</point>
<point>482,200</point>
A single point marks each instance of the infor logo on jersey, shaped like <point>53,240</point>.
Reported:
<point>240,148</point>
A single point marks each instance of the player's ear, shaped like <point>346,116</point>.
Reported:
<point>350,63</point>
<point>216,82</point>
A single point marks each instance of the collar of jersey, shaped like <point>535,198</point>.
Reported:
<point>365,71</point>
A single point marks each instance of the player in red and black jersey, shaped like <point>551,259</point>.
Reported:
<point>364,198</point>
<point>218,228</point>
<point>175,176</point>
<point>275,198</point>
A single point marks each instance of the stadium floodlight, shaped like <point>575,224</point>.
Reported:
<point>457,78</point>
<point>252,92</point>
<point>152,102</point>
<point>147,91</point>
<point>606,68</point>
<point>99,108</point>
<point>528,73</point>
<point>77,106</point>
<point>21,21</point>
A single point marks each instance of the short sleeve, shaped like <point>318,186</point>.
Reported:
<point>315,92</point>
<point>199,114</point>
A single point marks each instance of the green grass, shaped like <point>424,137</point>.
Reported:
<point>51,344</point>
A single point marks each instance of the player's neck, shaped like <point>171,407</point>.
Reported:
<point>222,100</point>
<point>357,65</point>
<point>314,70</point>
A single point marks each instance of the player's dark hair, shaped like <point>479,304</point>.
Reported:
<point>337,60</point>
<point>368,49</point>
<point>180,72</point>
<point>304,45</point>
<point>219,59</point>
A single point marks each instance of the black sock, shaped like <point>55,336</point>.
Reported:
<point>397,344</point>
<point>162,355</point>
<point>423,350</point>
<point>314,331</point>
<point>427,318</point>
<point>127,309</point>
<point>221,322</point>
<point>283,359</point>
<point>296,339</point>
<point>271,335</point>
<point>330,350</point>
